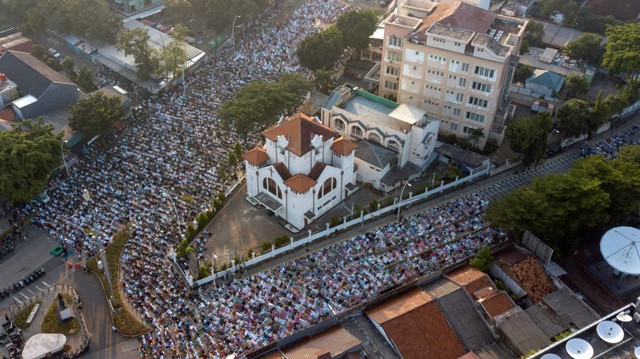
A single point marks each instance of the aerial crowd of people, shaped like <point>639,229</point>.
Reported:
<point>164,171</point>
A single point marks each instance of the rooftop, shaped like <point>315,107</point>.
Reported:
<point>497,304</point>
<point>470,279</point>
<point>256,156</point>
<point>522,333</point>
<point>300,183</point>
<point>399,306</point>
<point>336,340</point>
<point>571,309</point>
<point>30,74</point>
<point>343,146</point>
<point>467,158</point>
<point>299,130</point>
<point>374,154</point>
<point>546,78</point>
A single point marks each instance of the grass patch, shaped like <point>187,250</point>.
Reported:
<point>126,323</point>
<point>21,318</point>
<point>51,322</point>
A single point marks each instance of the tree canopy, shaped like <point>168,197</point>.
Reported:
<point>522,73</point>
<point>27,156</point>
<point>529,137</point>
<point>178,11</point>
<point>573,118</point>
<point>588,47</point>
<point>135,42</point>
<point>96,114</point>
<point>622,50</point>
<point>576,85</point>
<point>91,18</point>
<point>534,33</point>
<point>259,104</point>
<point>356,26</point>
<point>561,207</point>
<point>220,13</point>
<point>321,49</point>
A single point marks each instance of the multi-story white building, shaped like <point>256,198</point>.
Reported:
<point>302,171</point>
<point>394,142</point>
<point>454,60</point>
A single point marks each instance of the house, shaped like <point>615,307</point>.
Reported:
<point>128,7</point>
<point>453,60</point>
<point>335,342</point>
<point>517,8</point>
<point>302,171</point>
<point>16,42</point>
<point>44,90</point>
<point>395,142</point>
<point>544,83</point>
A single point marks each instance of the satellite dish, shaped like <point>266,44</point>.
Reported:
<point>610,332</point>
<point>550,356</point>
<point>637,352</point>
<point>579,349</point>
<point>620,247</point>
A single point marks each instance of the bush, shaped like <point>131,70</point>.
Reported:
<point>202,220</point>
<point>21,318</point>
<point>266,247</point>
<point>51,322</point>
<point>221,197</point>
<point>357,209</point>
<point>335,220</point>
<point>373,205</point>
<point>282,241</point>
<point>483,259</point>
<point>190,233</point>
<point>490,147</point>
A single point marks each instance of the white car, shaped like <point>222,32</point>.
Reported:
<point>54,53</point>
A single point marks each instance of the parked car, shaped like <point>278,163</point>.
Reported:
<point>54,53</point>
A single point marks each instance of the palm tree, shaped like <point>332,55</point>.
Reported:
<point>324,81</point>
<point>475,134</point>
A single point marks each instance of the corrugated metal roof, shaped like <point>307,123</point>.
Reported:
<point>337,341</point>
<point>374,154</point>
<point>465,320</point>
<point>522,333</point>
<point>569,308</point>
<point>546,320</point>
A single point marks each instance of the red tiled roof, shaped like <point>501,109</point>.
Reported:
<point>282,170</point>
<point>460,15</point>
<point>343,146</point>
<point>317,170</point>
<point>256,156</point>
<point>7,115</point>
<point>497,303</point>
<point>299,130</point>
<point>300,183</point>
<point>470,279</point>
<point>336,341</point>
<point>419,330</point>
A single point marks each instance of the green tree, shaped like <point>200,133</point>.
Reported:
<point>28,154</point>
<point>237,150</point>
<point>570,13</point>
<point>576,85</point>
<point>534,33</point>
<point>599,114</point>
<point>629,154</point>
<point>324,81</point>
<point>321,49</point>
<point>135,42</point>
<point>34,22</point>
<point>483,259</point>
<point>572,117</point>
<point>615,104</point>
<point>259,104</point>
<point>173,58</point>
<point>96,114</point>
<point>86,80</point>
<point>548,8</point>
<point>356,26</point>
<point>622,50</point>
<point>69,67</point>
<point>522,73</point>
<point>39,52</point>
<point>588,47</point>
<point>475,134</point>
<point>529,137</point>
<point>177,11</point>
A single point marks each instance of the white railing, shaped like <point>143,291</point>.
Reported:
<point>346,224</point>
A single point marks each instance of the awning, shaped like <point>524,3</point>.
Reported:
<point>268,201</point>
<point>309,215</point>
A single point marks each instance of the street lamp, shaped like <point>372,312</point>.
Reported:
<point>233,27</point>
<point>64,160</point>
<point>551,134</point>
<point>401,192</point>
<point>175,209</point>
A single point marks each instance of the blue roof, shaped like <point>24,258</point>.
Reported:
<point>546,78</point>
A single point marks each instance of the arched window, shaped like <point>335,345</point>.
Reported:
<point>429,140</point>
<point>329,185</point>
<point>338,124</point>
<point>375,137</point>
<point>270,185</point>
<point>356,131</point>
<point>393,145</point>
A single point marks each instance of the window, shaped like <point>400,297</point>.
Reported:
<point>394,56</point>
<point>459,97</point>
<point>462,82</point>
<point>338,124</point>
<point>482,87</point>
<point>395,41</point>
<point>393,71</point>
<point>375,137</point>
<point>356,131</point>
<point>475,117</point>
<point>478,102</point>
<point>270,185</point>
<point>485,72</point>
<point>454,126</point>
<point>465,67</point>
<point>393,145</point>
<point>390,85</point>
<point>329,185</point>
<point>456,112</point>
